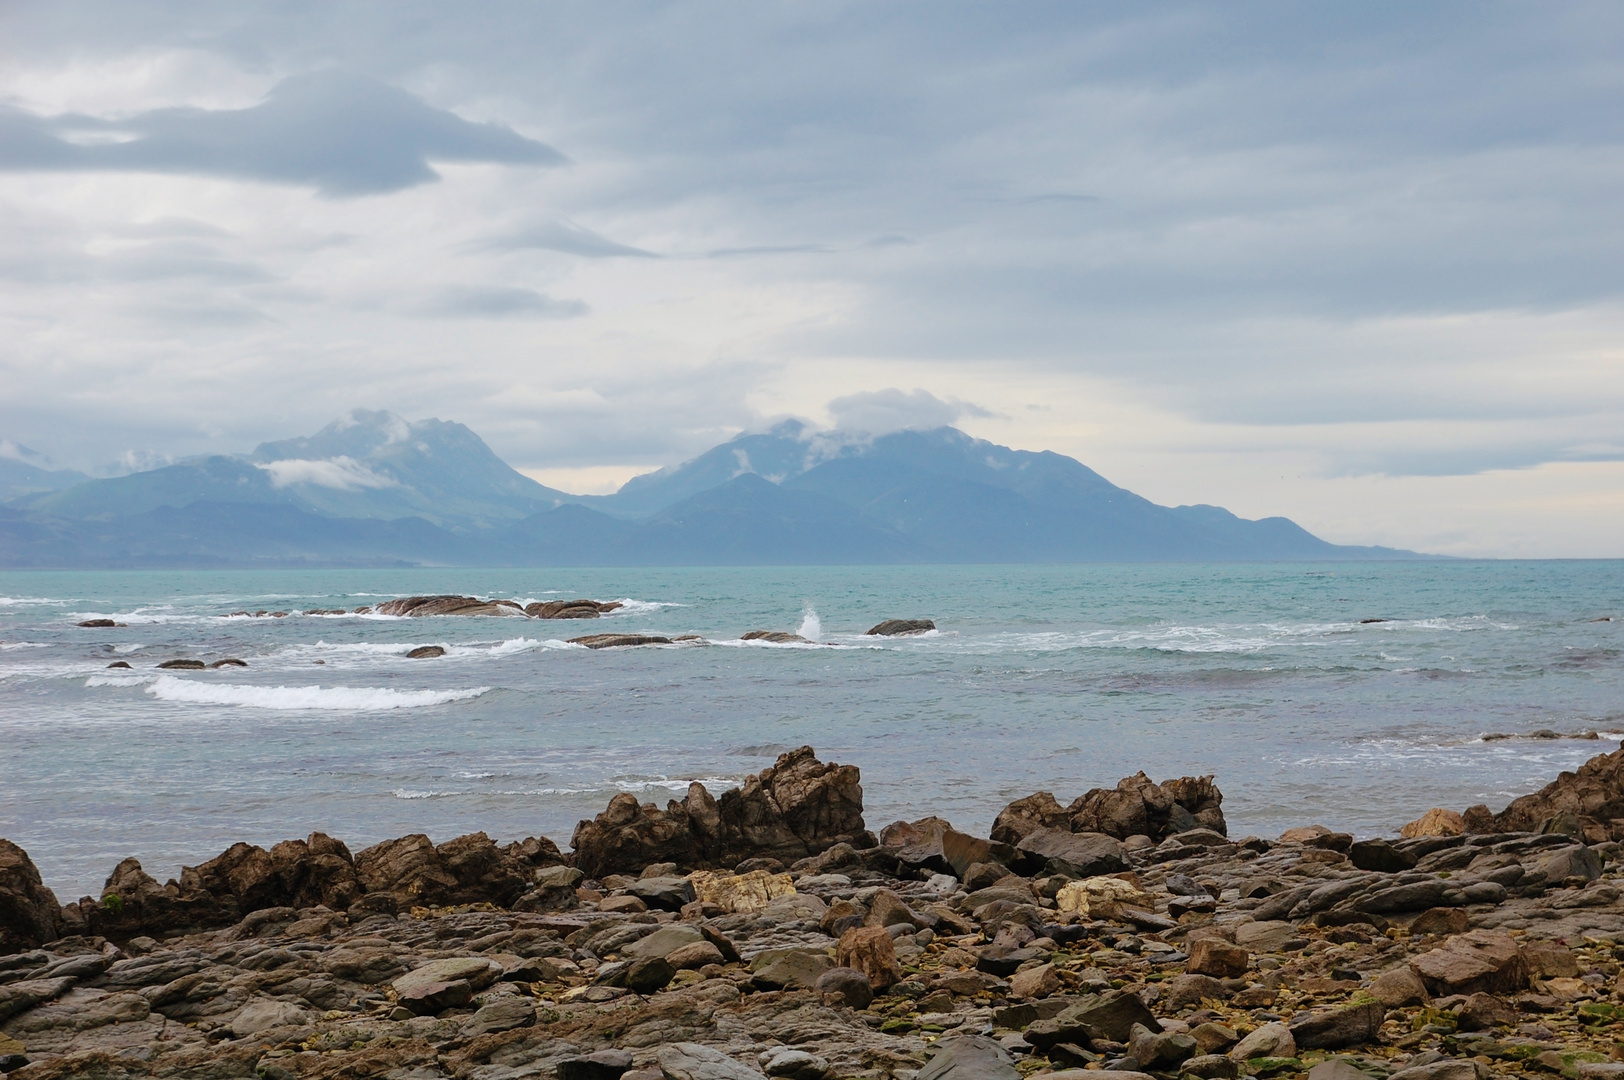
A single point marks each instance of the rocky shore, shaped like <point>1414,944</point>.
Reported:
<point>768,932</point>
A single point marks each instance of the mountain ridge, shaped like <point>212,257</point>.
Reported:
<point>374,489</point>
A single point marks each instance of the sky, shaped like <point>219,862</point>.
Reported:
<point>1358,265</point>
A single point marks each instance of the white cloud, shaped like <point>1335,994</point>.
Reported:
<point>339,473</point>
<point>877,412</point>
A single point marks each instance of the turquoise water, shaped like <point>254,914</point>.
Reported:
<point>1060,678</point>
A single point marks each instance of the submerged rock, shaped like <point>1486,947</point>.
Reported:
<point>777,637</point>
<point>425,652</point>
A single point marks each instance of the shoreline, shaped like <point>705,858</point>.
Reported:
<point>769,931</point>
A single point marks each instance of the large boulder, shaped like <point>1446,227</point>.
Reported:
<point>29,913</point>
<point>1137,805</point>
<point>798,807</point>
<point>1594,796</point>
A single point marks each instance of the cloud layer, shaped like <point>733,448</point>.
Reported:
<point>1359,268</point>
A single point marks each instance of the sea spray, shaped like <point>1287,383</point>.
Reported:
<point>811,625</point>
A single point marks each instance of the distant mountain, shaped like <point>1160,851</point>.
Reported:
<point>373,489</point>
<point>23,472</point>
<point>366,465</point>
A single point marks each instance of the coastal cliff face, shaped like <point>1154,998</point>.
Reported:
<point>767,932</point>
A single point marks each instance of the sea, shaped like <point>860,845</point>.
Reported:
<point>1356,695</point>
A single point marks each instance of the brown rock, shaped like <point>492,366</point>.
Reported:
<point>1351,1025</point>
<point>408,869</point>
<point>797,808</point>
<point>1478,961</point>
<point>1441,920</point>
<point>1398,988</point>
<point>417,606</point>
<point>1218,958</point>
<point>29,913</point>
<point>1483,1011</point>
<point>1594,796</point>
<point>1034,982</point>
<point>1551,960</point>
<point>570,609</point>
<point>1435,822</point>
<point>869,950</point>
<point>1136,806</point>
<point>619,641</point>
<point>425,652</point>
<point>900,627</point>
<point>1182,991</point>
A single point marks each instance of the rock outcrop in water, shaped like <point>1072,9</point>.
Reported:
<point>571,609</point>
<point>797,807</point>
<point>932,955</point>
<point>1587,803</point>
<point>414,606</point>
<point>1137,806</point>
<point>900,627</point>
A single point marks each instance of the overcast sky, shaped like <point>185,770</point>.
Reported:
<point>1355,264</point>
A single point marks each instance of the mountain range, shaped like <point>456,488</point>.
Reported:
<point>372,489</point>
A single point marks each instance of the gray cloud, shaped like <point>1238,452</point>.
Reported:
<point>876,412</point>
<point>565,236</point>
<point>342,133</point>
<point>496,302</point>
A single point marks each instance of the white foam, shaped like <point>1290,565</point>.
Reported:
<point>9,645</point>
<point>32,601</point>
<point>344,698</point>
<point>628,606</point>
<point>811,625</point>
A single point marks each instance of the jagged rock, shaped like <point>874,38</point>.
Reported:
<point>29,913</point>
<point>261,1014</point>
<point>1435,822</point>
<point>425,652</point>
<point>796,808</point>
<point>1441,920</point>
<point>24,995</point>
<point>1594,795</point>
<point>417,606</point>
<point>1034,982</point>
<point>1135,807</point>
<point>900,627</point>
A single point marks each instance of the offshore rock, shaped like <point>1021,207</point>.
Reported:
<point>417,606</point>
<point>900,628</point>
<point>1135,807</point>
<point>29,913</point>
<point>618,641</point>
<point>571,609</point>
<point>798,807</point>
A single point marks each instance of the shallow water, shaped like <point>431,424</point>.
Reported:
<point>1060,678</point>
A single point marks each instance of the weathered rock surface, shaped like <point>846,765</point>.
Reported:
<point>796,808</point>
<point>410,960</point>
<point>900,627</point>
<point>417,606</point>
<point>29,913</point>
<point>571,609</point>
<point>1593,796</point>
<point>1135,807</point>
<point>618,641</point>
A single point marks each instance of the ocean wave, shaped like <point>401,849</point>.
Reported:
<point>713,784</point>
<point>323,698</point>
<point>34,601</point>
<point>7,646</point>
<point>628,606</point>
